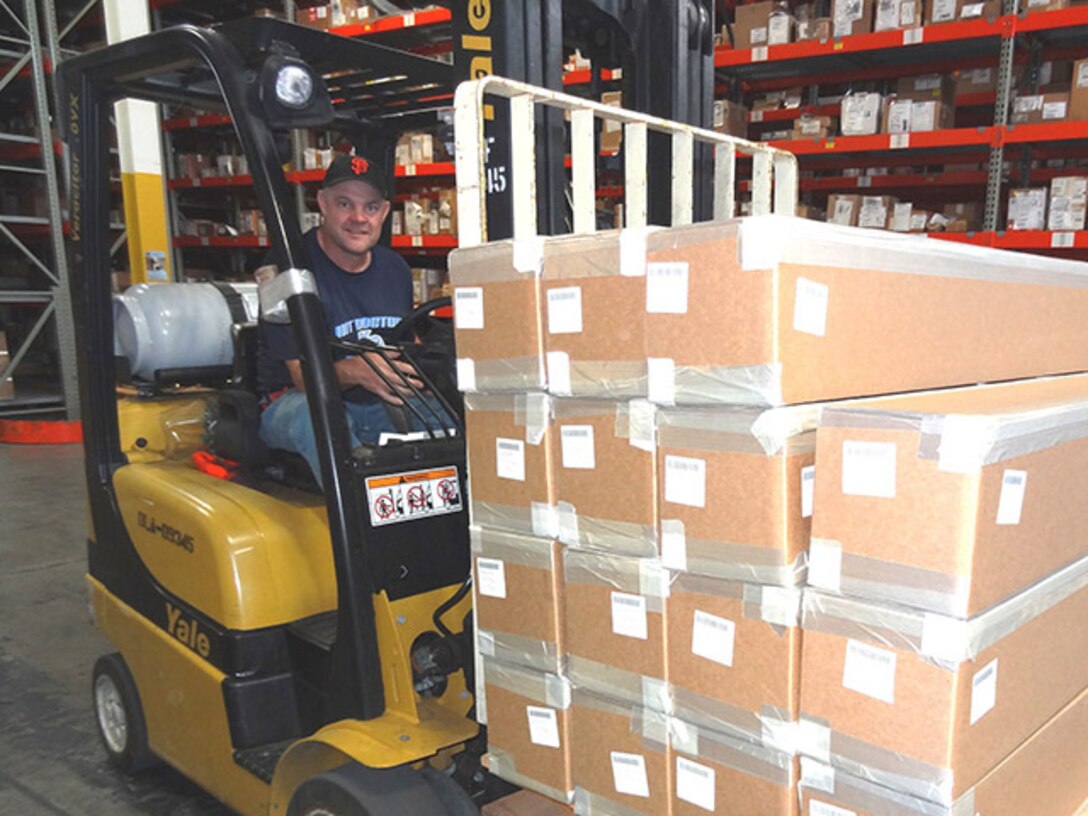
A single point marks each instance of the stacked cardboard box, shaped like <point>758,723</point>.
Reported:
<point>642,465</point>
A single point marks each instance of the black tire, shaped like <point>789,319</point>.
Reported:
<point>453,796</point>
<point>355,790</point>
<point>119,715</point>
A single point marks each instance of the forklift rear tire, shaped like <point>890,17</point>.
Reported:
<point>355,790</point>
<point>120,716</point>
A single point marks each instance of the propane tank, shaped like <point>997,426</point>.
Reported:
<point>178,325</point>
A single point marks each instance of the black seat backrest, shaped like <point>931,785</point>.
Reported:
<point>245,337</point>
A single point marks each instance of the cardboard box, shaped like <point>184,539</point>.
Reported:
<point>1035,778</point>
<point>1068,200</point>
<point>717,774</point>
<point>902,213</point>
<point>1033,6</point>
<point>970,211</point>
<point>619,757</point>
<point>860,114</point>
<point>611,130</point>
<point>897,14</point>
<point>1078,95</point>
<point>731,118</point>
<point>781,26</point>
<point>447,211</point>
<point>525,803</point>
<point>927,88</point>
<point>605,483</point>
<point>818,28</point>
<point>811,314</point>
<point>750,28</point>
<point>897,115</point>
<point>849,17</point>
<point>986,10</point>
<point>1027,209</point>
<point>736,490</point>
<point>529,729</point>
<point>943,11</point>
<point>920,220</point>
<point>876,211</point>
<point>1049,107</point>
<point>843,209</point>
<point>734,653</point>
<point>814,127</point>
<point>989,505</point>
<point>496,319</point>
<point>314,17</point>
<point>931,115</point>
<point>519,598</point>
<point>617,647</point>
<point>928,705</point>
<point>975,80</point>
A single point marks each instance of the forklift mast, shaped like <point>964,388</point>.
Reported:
<point>665,49</point>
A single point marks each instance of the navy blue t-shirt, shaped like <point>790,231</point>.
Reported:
<point>358,307</point>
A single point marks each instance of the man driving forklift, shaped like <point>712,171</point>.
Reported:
<point>366,289</point>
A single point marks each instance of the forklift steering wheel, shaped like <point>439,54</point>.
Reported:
<point>409,327</point>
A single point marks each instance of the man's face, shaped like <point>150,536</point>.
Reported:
<point>353,213</point>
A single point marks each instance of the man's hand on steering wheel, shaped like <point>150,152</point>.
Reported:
<point>357,371</point>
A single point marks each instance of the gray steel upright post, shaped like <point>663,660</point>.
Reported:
<point>1001,119</point>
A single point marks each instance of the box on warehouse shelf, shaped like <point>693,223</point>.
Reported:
<point>1037,778</point>
<point>605,480</point>
<point>876,211</point>
<point>509,438</point>
<point>860,114</point>
<point>843,209</point>
<point>736,494</point>
<point>1078,94</point>
<point>975,80</point>
<point>851,17</point>
<point>953,500</point>
<point>943,11</point>
<point>1027,209</point>
<point>619,757</point>
<point>731,118</point>
<point>714,773</point>
<point>734,658</point>
<point>750,26</point>
<point>617,646</point>
<point>519,598</point>
<point>496,316</point>
<point>1035,108</point>
<point>897,14</point>
<point>814,127</point>
<point>529,729</point>
<point>927,704</point>
<point>1068,200</point>
<point>928,88</point>
<point>776,310</point>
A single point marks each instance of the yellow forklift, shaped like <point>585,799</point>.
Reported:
<point>290,650</point>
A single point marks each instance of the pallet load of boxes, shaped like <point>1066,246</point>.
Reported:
<point>715,572</point>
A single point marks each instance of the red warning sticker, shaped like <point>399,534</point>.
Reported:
<point>398,497</point>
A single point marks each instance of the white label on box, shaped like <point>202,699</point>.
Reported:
<point>629,615</point>
<point>1063,240</point>
<point>510,459</point>
<point>544,520</point>
<point>887,15</point>
<point>558,363</point>
<point>713,637</point>
<point>629,774</point>
<point>825,564</point>
<point>972,10</point>
<point>759,35</point>
<point>674,545</point>
<point>901,215</point>
<point>818,808</point>
<point>809,127</point>
<point>466,374</point>
<point>685,481</point>
<point>565,310</point>
<point>817,775</point>
<point>778,29</point>
<point>543,726</point>
<point>667,288</point>
<point>1082,75</point>
<point>808,482</point>
<point>695,783</point>
<point>844,211</point>
<point>468,307</point>
<point>491,573</point>
<point>868,469</point>
<point>1054,110</point>
<point>944,10</point>
<point>913,36</point>
<point>810,307</point>
<point>983,690</point>
<point>661,380</point>
<point>906,13</point>
<point>900,141</point>
<point>576,442</point>
<point>1011,503</point>
<point>566,520</point>
<point>869,670</point>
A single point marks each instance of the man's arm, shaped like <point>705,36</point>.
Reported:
<point>353,371</point>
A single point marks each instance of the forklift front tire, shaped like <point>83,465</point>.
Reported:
<point>120,716</point>
<point>355,790</point>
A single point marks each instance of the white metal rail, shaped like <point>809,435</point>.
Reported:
<point>774,171</point>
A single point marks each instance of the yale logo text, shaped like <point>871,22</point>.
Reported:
<point>187,631</point>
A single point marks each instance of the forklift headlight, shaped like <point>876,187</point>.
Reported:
<point>294,86</point>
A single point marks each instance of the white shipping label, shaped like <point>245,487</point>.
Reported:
<point>983,690</point>
<point>558,363</point>
<point>468,307</point>
<point>491,575</point>
<point>674,545</point>
<point>466,374</point>
<point>510,459</point>
<point>971,10</point>
<point>661,380</point>
<point>844,211</point>
<point>1011,503</point>
<point>1054,111</point>
<point>576,442</point>
<point>695,783</point>
<point>629,615</point>
<point>629,774</point>
<point>906,14</point>
<point>667,288</point>
<point>808,483</point>
<point>759,35</point>
<point>810,307</point>
<point>944,10</point>
<point>685,481</point>
<point>1082,75</point>
<point>543,726</point>
<point>869,670</point>
<point>565,310</point>
<point>713,637</point>
<point>868,469</point>
<point>817,808</point>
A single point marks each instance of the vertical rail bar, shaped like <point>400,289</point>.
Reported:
<point>583,171</point>
<point>725,174</point>
<point>634,174</point>
<point>523,163</point>
<point>761,183</point>
<point>683,189</point>
<point>470,157</point>
<point>785,185</point>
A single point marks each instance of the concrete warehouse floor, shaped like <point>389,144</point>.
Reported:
<point>51,762</point>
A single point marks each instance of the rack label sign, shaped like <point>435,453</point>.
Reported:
<point>398,497</point>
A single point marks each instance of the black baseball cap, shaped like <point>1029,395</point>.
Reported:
<point>355,168</point>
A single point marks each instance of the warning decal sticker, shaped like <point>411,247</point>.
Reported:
<point>398,497</point>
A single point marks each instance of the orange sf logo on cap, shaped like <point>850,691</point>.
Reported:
<point>359,166</point>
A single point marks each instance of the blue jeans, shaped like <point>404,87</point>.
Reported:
<point>286,425</point>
